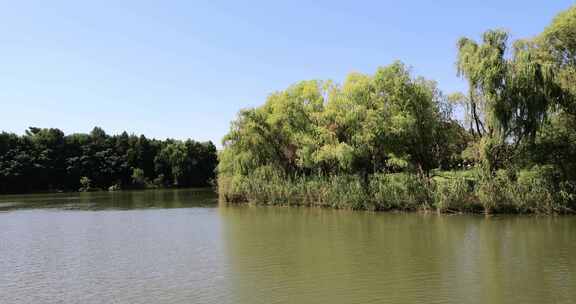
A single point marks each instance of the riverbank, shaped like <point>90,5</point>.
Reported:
<point>527,192</point>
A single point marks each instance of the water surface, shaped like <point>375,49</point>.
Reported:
<point>179,246</point>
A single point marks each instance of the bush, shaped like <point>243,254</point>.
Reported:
<point>534,190</point>
<point>451,195</point>
<point>400,191</point>
<point>85,184</point>
<point>497,192</point>
<point>345,192</point>
<point>539,191</point>
<point>138,178</point>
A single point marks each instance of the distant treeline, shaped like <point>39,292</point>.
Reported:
<point>49,160</point>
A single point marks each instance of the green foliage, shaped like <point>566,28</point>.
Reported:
<point>267,186</point>
<point>172,159</point>
<point>534,190</point>
<point>494,192</point>
<point>531,191</point>
<point>321,144</point>
<point>85,184</point>
<point>372,142</point>
<point>389,121</point>
<point>512,90</point>
<point>400,192</point>
<point>48,160</point>
<point>138,177</point>
<point>456,195</point>
<point>559,43</point>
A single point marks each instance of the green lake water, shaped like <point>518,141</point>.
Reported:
<point>179,246</point>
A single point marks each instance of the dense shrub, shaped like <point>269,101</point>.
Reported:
<point>266,186</point>
<point>528,191</point>
<point>455,194</point>
<point>400,192</point>
<point>535,190</point>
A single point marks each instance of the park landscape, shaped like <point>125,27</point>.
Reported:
<point>385,187</point>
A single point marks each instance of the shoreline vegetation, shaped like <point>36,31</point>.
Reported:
<point>392,141</point>
<point>48,161</point>
<point>405,192</point>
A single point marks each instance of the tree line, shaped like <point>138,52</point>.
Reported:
<point>394,136</point>
<point>48,160</point>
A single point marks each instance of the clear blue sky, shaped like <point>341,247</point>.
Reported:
<point>183,69</point>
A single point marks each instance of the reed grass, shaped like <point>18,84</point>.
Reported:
<point>527,191</point>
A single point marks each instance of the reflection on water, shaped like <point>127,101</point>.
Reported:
<point>122,200</point>
<point>178,246</point>
<point>283,255</point>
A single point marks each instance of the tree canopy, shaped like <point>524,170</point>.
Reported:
<point>519,129</point>
<point>372,123</point>
<point>48,160</point>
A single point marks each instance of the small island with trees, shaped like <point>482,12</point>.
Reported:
<point>392,141</point>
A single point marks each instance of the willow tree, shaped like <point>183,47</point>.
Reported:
<point>558,41</point>
<point>517,92</point>
<point>372,123</point>
<point>468,67</point>
<point>276,133</point>
<point>557,142</point>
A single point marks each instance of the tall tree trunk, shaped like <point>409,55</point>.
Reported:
<point>475,115</point>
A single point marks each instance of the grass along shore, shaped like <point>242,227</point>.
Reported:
<point>528,192</point>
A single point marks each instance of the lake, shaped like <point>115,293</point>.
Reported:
<point>179,246</point>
